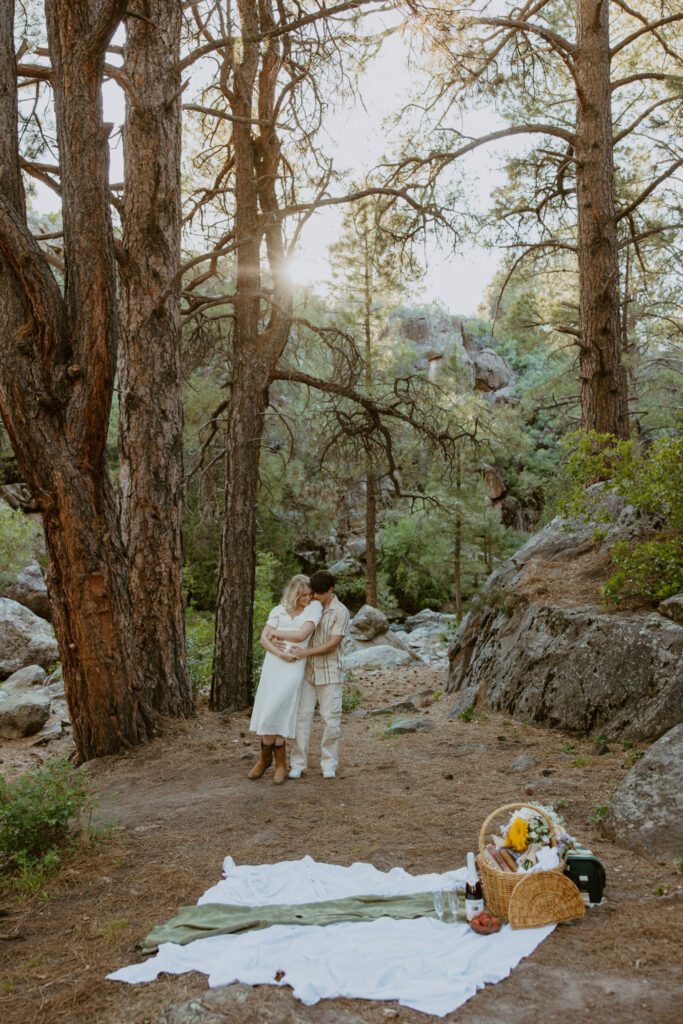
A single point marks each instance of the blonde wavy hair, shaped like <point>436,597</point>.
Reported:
<point>293,592</point>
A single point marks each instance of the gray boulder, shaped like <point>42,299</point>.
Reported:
<point>377,656</point>
<point>368,623</point>
<point>25,639</point>
<point>673,608</point>
<point>428,643</point>
<point>580,669</point>
<point>434,621</point>
<point>29,589</point>
<point>22,713</point>
<point>346,567</point>
<point>646,813</point>
<point>491,371</point>
<point>32,675</point>
<point>531,649</point>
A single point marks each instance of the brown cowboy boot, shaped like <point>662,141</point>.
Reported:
<point>280,765</point>
<point>263,761</point>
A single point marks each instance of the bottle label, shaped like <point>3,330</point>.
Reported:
<point>472,908</point>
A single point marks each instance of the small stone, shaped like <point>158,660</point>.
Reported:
<point>600,749</point>
<point>403,725</point>
<point>264,837</point>
<point>449,775</point>
<point>52,732</point>
<point>521,763</point>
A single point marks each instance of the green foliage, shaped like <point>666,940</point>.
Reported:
<point>471,714</point>
<point>267,571</point>
<point>199,636</point>
<point>599,812</point>
<point>652,481</point>
<point>415,557</point>
<point>350,590</point>
<point>352,697</point>
<point>17,533</point>
<point>36,811</point>
<point>652,570</point>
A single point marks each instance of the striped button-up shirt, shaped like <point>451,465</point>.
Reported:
<point>322,669</point>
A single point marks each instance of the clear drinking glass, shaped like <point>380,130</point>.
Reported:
<point>452,897</point>
<point>439,903</point>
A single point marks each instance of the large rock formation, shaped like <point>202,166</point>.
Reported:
<point>646,812</point>
<point>541,647</point>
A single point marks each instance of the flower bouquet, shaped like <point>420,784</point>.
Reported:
<point>532,839</point>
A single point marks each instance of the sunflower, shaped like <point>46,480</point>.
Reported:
<point>517,835</point>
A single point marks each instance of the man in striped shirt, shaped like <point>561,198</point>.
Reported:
<point>323,680</point>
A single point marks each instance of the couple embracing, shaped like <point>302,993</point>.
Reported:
<point>302,639</point>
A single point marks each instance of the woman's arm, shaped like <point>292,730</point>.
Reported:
<point>297,635</point>
<point>310,652</point>
<point>268,645</point>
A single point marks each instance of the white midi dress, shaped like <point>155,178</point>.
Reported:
<point>277,697</point>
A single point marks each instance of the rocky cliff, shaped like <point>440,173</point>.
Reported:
<point>541,647</point>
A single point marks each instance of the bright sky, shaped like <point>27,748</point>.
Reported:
<point>356,141</point>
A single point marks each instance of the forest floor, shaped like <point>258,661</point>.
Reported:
<point>416,800</point>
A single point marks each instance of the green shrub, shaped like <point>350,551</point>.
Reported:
<point>17,534</point>
<point>36,811</point>
<point>267,573</point>
<point>652,481</point>
<point>199,635</point>
<point>652,570</point>
<point>350,590</point>
<point>352,697</point>
<point>416,561</point>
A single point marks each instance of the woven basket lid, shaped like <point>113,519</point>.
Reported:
<point>544,897</point>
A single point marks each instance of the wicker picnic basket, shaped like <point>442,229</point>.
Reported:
<point>499,885</point>
<point>544,897</point>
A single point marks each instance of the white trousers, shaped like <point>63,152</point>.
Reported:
<point>329,697</point>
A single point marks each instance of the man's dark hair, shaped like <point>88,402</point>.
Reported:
<point>321,581</point>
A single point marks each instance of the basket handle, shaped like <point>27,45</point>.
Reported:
<point>514,807</point>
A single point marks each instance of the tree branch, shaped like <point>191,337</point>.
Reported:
<point>649,190</point>
<point>652,27</point>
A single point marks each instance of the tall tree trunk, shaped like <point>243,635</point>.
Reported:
<point>57,378</point>
<point>457,555</point>
<point>370,542</point>
<point>370,487</point>
<point>232,664</point>
<point>603,379</point>
<point>255,351</point>
<point>151,414</point>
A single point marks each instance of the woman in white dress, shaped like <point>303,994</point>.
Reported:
<point>277,696</point>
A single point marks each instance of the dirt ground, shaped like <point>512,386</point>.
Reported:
<point>416,800</point>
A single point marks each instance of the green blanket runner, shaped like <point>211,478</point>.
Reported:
<point>206,919</point>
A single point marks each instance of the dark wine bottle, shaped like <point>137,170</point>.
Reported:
<point>474,894</point>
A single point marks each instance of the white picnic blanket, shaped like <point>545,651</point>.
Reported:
<point>424,964</point>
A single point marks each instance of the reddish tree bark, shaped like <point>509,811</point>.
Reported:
<point>151,414</point>
<point>57,378</point>
<point>248,85</point>
<point>604,402</point>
